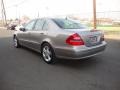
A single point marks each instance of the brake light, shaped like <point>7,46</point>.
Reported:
<point>74,40</point>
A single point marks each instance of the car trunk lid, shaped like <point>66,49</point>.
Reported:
<point>90,37</point>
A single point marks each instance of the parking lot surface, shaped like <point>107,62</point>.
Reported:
<point>23,69</point>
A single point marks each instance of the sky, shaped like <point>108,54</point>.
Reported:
<point>47,8</point>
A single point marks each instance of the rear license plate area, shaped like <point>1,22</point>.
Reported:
<point>93,39</point>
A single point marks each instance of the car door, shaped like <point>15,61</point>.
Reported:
<point>24,36</point>
<point>36,35</point>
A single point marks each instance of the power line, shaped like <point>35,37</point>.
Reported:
<point>18,4</point>
<point>109,12</point>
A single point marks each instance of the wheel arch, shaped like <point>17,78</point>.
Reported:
<point>45,41</point>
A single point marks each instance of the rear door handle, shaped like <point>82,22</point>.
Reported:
<point>42,33</point>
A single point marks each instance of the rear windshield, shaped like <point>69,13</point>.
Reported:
<point>68,24</point>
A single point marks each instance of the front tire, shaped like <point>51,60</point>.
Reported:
<point>48,54</point>
<point>16,42</point>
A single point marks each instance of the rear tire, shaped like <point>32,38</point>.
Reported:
<point>48,54</point>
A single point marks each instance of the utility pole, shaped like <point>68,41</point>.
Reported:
<point>3,12</point>
<point>38,15</point>
<point>94,15</point>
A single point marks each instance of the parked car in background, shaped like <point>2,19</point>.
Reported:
<point>12,25</point>
<point>60,38</point>
<point>17,28</point>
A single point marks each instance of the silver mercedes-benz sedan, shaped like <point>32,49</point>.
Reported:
<point>60,38</point>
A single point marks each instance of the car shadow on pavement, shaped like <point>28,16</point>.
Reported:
<point>82,63</point>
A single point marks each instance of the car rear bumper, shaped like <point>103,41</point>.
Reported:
<point>80,52</point>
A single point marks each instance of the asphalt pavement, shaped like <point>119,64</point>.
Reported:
<point>24,69</point>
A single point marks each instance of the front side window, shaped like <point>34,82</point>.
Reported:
<point>68,24</point>
<point>39,24</point>
<point>30,25</point>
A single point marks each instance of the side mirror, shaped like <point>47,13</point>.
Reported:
<point>22,29</point>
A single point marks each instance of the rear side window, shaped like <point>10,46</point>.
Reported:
<point>68,24</point>
<point>39,24</point>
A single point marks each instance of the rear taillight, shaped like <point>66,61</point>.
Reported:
<point>74,40</point>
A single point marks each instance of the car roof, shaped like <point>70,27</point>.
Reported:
<point>46,18</point>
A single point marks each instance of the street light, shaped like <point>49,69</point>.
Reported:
<point>94,14</point>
